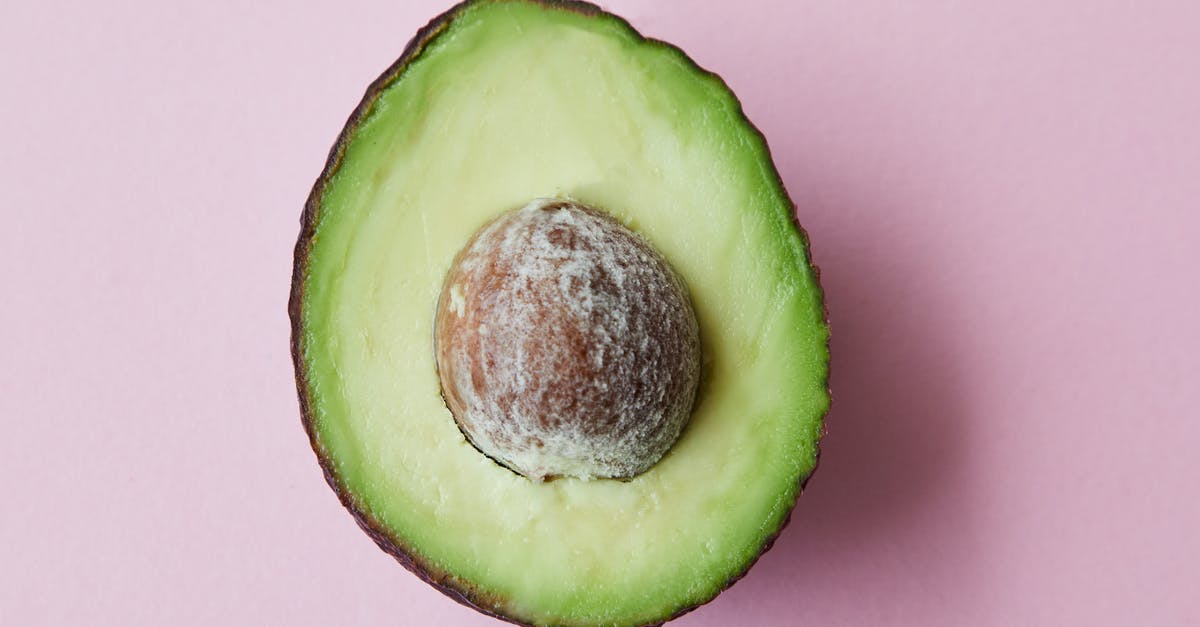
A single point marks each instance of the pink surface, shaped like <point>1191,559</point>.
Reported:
<point>1003,200</point>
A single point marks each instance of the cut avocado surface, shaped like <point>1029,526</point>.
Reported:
<point>493,104</point>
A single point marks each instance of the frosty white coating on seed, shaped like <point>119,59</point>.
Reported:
<point>566,345</point>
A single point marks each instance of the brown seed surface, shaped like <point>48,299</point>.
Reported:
<point>566,345</point>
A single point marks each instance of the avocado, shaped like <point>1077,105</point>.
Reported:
<point>669,318</point>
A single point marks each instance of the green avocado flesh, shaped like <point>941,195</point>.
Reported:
<point>506,102</point>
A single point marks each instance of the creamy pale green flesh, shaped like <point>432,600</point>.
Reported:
<point>516,101</point>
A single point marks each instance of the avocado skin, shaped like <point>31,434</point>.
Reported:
<point>447,583</point>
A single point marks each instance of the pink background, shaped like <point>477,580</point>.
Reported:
<point>1003,197</point>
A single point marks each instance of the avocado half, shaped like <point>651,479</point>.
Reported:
<point>494,103</point>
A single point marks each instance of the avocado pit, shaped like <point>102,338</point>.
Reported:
<point>566,345</point>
